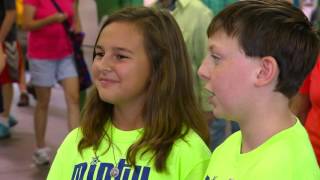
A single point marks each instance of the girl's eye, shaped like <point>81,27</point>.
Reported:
<point>120,57</point>
<point>98,55</point>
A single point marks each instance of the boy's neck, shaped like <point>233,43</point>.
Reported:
<point>265,123</point>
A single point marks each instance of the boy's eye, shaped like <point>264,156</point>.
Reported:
<point>215,58</point>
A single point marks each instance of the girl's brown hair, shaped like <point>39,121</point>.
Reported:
<point>171,108</point>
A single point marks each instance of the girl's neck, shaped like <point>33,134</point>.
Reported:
<point>128,118</point>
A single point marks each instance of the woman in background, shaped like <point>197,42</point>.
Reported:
<point>50,56</point>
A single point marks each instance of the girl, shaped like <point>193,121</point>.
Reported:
<point>141,119</point>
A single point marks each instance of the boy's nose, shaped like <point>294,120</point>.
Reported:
<point>202,71</point>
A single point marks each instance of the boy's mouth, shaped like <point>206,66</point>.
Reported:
<point>210,92</point>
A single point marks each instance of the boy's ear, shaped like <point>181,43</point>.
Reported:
<point>268,71</point>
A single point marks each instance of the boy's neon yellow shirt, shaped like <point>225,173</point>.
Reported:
<point>187,160</point>
<point>287,155</point>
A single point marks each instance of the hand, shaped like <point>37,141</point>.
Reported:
<point>2,58</point>
<point>59,17</point>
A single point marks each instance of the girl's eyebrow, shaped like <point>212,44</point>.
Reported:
<point>122,49</point>
<point>98,47</point>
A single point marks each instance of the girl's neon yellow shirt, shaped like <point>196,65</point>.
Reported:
<point>188,159</point>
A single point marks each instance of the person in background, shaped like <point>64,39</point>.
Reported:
<point>7,36</point>
<point>193,18</point>
<point>217,5</point>
<point>2,60</point>
<point>2,64</point>
<point>22,37</point>
<point>142,119</point>
<point>315,16</point>
<point>255,67</point>
<point>306,105</point>
<point>106,8</point>
<point>296,3</point>
<point>49,65</point>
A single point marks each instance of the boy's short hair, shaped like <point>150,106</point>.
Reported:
<point>272,28</point>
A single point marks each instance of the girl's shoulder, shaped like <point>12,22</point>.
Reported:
<point>73,138</point>
<point>191,143</point>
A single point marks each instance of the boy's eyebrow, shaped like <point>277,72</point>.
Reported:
<point>212,47</point>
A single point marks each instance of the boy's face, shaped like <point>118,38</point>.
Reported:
<point>229,76</point>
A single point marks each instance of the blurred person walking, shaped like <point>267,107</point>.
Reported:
<point>8,41</point>
<point>2,64</point>
<point>22,38</point>
<point>50,55</point>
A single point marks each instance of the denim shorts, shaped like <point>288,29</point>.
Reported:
<point>46,73</point>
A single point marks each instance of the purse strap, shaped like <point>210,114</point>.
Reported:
<point>65,23</point>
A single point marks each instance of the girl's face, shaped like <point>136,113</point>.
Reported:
<point>121,68</point>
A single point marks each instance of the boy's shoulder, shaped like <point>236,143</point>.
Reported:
<point>231,145</point>
<point>286,154</point>
<point>287,143</point>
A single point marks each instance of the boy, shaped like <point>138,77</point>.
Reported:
<point>259,54</point>
<point>8,39</point>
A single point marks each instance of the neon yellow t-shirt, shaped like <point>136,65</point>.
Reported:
<point>188,159</point>
<point>287,155</point>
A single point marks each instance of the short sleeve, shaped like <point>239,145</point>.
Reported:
<point>31,2</point>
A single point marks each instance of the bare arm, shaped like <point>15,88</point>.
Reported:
<point>77,23</point>
<point>2,59</point>
<point>31,24</point>
<point>9,19</point>
<point>300,105</point>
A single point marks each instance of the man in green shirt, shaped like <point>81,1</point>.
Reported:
<point>193,18</point>
<point>107,7</point>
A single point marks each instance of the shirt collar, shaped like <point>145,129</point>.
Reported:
<point>183,3</point>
